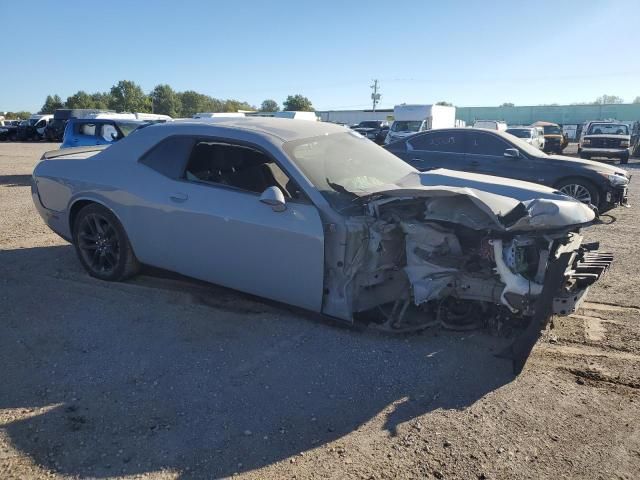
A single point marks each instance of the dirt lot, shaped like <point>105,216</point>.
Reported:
<point>162,378</point>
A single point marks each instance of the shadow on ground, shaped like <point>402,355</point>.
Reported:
<point>113,379</point>
<point>15,180</point>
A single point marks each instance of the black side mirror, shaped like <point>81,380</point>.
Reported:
<point>512,153</point>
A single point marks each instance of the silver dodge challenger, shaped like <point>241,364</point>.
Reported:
<point>316,216</point>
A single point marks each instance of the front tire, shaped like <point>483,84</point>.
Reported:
<point>624,159</point>
<point>102,245</point>
<point>580,189</point>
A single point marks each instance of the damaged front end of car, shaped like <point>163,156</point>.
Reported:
<point>463,258</point>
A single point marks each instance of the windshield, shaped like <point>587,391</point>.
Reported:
<point>552,130</point>
<point>520,132</point>
<point>343,166</point>
<point>406,126</point>
<point>127,127</point>
<point>369,125</point>
<point>608,129</point>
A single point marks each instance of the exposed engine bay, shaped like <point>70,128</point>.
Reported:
<point>410,263</point>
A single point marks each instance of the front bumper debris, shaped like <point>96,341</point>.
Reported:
<point>588,267</point>
<point>567,281</point>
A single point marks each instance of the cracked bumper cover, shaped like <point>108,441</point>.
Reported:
<point>586,269</point>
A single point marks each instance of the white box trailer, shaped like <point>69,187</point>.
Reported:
<point>410,119</point>
<point>297,115</point>
<point>353,117</point>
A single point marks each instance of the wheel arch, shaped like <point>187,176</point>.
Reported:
<point>599,189</point>
<point>79,203</point>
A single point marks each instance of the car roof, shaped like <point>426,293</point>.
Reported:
<point>286,129</point>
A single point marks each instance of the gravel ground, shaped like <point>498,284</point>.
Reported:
<point>165,378</point>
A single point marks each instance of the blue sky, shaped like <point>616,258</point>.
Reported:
<point>468,53</point>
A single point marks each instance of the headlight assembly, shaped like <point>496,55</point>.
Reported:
<point>615,180</point>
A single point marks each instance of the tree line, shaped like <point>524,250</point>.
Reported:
<point>127,96</point>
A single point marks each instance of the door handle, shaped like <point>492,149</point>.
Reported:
<point>475,163</point>
<point>179,197</point>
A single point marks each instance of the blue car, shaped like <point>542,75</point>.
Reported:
<point>84,132</point>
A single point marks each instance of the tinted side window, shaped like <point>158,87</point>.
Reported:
<point>438,142</point>
<point>486,144</point>
<point>236,166</point>
<point>108,132</point>
<point>87,129</point>
<point>169,156</point>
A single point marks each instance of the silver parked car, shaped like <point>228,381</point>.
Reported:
<point>317,216</point>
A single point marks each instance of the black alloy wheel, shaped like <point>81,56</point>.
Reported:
<point>102,244</point>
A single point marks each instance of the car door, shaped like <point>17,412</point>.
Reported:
<point>488,153</point>
<point>224,234</point>
<point>436,149</point>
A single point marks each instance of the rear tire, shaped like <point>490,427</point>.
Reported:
<point>102,245</point>
<point>580,189</point>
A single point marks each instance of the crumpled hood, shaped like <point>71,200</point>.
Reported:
<point>510,205</point>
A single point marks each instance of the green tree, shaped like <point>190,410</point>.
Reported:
<point>636,100</point>
<point>236,105</point>
<point>165,101</point>
<point>507,104</point>
<point>443,103</point>
<point>269,106</point>
<point>297,103</point>
<point>80,99</point>
<point>101,100</point>
<point>608,100</point>
<point>51,104</point>
<point>192,102</point>
<point>126,96</point>
<point>22,115</point>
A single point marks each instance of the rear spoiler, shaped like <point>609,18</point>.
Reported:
<point>73,150</point>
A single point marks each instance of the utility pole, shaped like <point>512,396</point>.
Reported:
<point>375,96</point>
